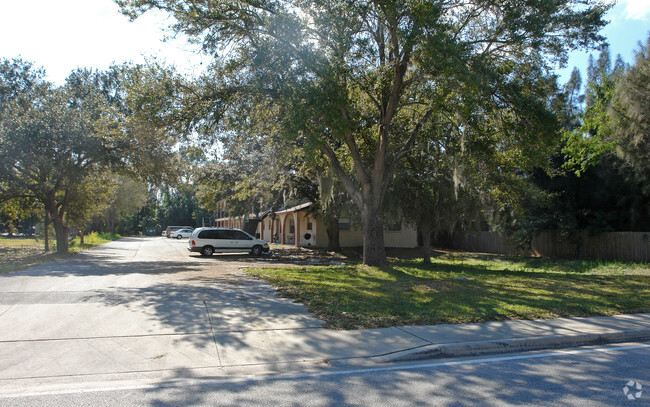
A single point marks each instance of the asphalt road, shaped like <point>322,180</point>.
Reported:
<point>584,377</point>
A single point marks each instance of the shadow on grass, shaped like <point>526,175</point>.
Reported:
<point>519,264</point>
<point>408,294</point>
<point>17,259</point>
<point>19,253</point>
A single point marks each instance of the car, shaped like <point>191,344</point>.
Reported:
<point>225,240</point>
<point>170,229</point>
<point>181,233</point>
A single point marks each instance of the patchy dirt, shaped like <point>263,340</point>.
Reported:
<point>18,258</point>
<point>10,255</point>
<point>303,255</point>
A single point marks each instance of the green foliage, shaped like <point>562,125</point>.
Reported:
<point>595,184</point>
<point>126,197</point>
<point>357,82</point>
<point>17,215</point>
<point>19,81</point>
<point>150,130</point>
<point>251,176</point>
<point>61,145</point>
<point>466,170</point>
<point>50,146</point>
<point>255,164</point>
<point>587,144</point>
<point>91,240</point>
<point>179,206</point>
<point>630,116</point>
<point>91,197</point>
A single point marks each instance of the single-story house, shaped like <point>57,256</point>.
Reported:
<point>297,226</point>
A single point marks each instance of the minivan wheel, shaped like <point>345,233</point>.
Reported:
<point>207,251</point>
<point>257,250</point>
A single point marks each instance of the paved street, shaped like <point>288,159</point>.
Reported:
<point>588,377</point>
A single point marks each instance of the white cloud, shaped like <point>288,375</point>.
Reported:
<point>636,9</point>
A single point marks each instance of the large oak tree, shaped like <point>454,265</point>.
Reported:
<point>359,80</point>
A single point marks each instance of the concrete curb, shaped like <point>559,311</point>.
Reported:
<point>515,344</point>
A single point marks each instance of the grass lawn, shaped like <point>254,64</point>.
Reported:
<point>17,253</point>
<point>462,287</point>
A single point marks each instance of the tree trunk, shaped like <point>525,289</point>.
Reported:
<point>426,245</point>
<point>333,241</point>
<point>61,234</point>
<point>374,252</point>
<point>46,231</point>
<point>60,229</point>
<point>110,223</point>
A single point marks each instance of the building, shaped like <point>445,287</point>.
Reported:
<point>296,226</point>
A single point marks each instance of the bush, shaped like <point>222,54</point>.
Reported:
<point>94,239</point>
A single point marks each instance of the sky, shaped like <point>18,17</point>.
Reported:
<point>629,24</point>
<point>61,35</point>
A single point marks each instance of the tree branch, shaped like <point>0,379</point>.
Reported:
<point>352,189</point>
<point>392,168</point>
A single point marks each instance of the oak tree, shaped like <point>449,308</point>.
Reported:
<point>359,80</point>
<point>58,144</point>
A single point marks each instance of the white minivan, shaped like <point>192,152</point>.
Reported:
<point>225,240</point>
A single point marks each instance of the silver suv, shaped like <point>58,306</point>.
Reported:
<point>225,240</point>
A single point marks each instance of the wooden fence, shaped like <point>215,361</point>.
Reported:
<point>624,246</point>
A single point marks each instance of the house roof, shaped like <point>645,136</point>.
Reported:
<point>294,208</point>
<point>267,213</point>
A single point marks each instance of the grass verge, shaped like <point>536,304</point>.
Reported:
<point>18,253</point>
<point>461,288</point>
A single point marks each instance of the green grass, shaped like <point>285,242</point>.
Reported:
<point>460,288</point>
<point>91,240</point>
<point>17,253</point>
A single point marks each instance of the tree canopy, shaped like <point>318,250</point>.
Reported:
<point>358,81</point>
<point>599,180</point>
<point>59,144</point>
<point>630,115</point>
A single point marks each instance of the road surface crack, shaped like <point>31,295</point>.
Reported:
<point>214,336</point>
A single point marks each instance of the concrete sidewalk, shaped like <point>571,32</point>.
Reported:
<point>395,344</point>
<point>521,335</point>
<point>83,362</point>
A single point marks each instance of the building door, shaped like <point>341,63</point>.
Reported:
<point>291,231</point>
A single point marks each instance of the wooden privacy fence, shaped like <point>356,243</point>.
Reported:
<point>624,246</point>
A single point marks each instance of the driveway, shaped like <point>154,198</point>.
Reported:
<point>142,307</point>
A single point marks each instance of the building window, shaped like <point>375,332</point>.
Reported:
<point>309,224</point>
<point>394,226</point>
<point>344,224</point>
